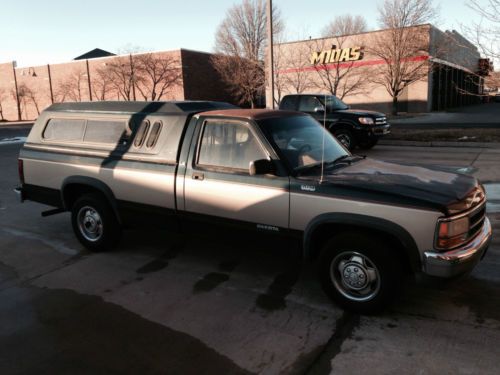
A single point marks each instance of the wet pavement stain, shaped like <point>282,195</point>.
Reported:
<point>162,262</point>
<point>45,331</point>
<point>209,282</point>
<point>274,298</point>
<point>153,266</point>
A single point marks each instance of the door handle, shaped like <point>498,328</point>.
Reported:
<point>198,176</point>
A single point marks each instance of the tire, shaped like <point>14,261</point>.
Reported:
<point>94,223</point>
<point>366,145</point>
<point>359,274</point>
<point>346,138</point>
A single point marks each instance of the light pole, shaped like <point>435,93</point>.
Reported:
<point>270,58</point>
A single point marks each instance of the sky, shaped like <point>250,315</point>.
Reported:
<point>36,32</point>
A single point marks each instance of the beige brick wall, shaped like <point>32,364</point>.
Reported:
<point>70,82</point>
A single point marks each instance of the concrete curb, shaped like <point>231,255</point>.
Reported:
<point>15,123</point>
<point>439,144</point>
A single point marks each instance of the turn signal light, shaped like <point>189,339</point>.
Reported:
<point>452,233</point>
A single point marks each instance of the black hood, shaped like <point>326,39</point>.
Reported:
<point>398,183</point>
<point>360,112</point>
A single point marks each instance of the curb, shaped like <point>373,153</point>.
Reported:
<point>439,144</point>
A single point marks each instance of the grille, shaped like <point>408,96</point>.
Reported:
<point>476,219</point>
<point>381,120</point>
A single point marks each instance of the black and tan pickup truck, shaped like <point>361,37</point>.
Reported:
<point>367,223</point>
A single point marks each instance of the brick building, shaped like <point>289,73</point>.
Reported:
<point>89,80</point>
<point>450,69</point>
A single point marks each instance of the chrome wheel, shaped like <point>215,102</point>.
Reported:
<point>355,276</point>
<point>345,139</point>
<point>89,223</point>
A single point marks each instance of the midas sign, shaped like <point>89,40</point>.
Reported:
<point>335,54</point>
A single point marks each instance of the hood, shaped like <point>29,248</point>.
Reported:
<point>361,112</point>
<point>398,184</point>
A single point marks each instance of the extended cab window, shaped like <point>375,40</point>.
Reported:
<point>308,103</point>
<point>289,103</point>
<point>59,129</point>
<point>228,145</point>
<point>105,131</point>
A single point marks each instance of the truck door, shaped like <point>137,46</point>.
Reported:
<point>218,186</point>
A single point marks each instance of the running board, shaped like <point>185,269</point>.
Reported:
<point>55,211</point>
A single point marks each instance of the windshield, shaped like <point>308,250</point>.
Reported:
<point>332,103</point>
<point>300,141</point>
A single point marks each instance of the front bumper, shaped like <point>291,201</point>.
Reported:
<point>460,260</point>
<point>380,130</point>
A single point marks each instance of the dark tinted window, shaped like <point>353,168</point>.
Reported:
<point>308,103</point>
<point>289,103</point>
<point>141,134</point>
<point>104,131</point>
<point>153,135</point>
<point>64,130</point>
<point>228,145</point>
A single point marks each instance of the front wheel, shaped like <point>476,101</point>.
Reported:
<point>359,273</point>
<point>345,137</point>
<point>94,223</point>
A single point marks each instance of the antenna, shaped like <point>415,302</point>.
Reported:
<point>323,143</point>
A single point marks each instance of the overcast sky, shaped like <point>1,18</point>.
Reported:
<point>35,32</point>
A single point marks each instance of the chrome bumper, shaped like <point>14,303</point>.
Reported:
<point>461,260</point>
<point>19,194</point>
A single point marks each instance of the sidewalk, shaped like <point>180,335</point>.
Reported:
<point>477,116</point>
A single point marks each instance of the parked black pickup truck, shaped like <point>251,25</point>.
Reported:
<point>352,127</point>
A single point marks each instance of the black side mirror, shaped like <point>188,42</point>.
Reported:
<point>320,109</point>
<point>261,166</point>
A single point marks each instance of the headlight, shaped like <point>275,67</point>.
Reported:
<point>452,233</point>
<point>366,120</point>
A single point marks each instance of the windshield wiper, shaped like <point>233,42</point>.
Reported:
<point>328,163</point>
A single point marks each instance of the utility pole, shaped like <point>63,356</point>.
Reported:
<point>50,85</point>
<point>88,80</point>
<point>270,58</point>
<point>17,91</point>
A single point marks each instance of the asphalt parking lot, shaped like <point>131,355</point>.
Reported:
<point>172,304</point>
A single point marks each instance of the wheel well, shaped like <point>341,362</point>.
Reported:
<point>73,191</point>
<point>328,230</point>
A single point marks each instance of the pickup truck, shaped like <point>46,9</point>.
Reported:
<point>352,127</point>
<point>279,174</point>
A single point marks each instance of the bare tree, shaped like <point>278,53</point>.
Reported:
<point>158,74</point>
<point>486,33</point>
<point>346,24</point>
<point>122,73</point>
<point>72,88</point>
<point>403,47</point>
<point>240,45</point>
<point>3,96</point>
<point>101,83</point>
<point>335,64</point>
<point>26,96</point>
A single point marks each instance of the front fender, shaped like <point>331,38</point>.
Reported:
<point>364,222</point>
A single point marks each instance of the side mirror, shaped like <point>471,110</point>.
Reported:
<point>261,166</point>
<point>319,109</point>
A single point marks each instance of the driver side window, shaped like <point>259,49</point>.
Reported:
<point>230,145</point>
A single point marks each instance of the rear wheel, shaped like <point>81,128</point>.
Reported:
<point>359,273</point>
<point>94,223</point>
<point>366,145</point>
<point>345,137</point>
